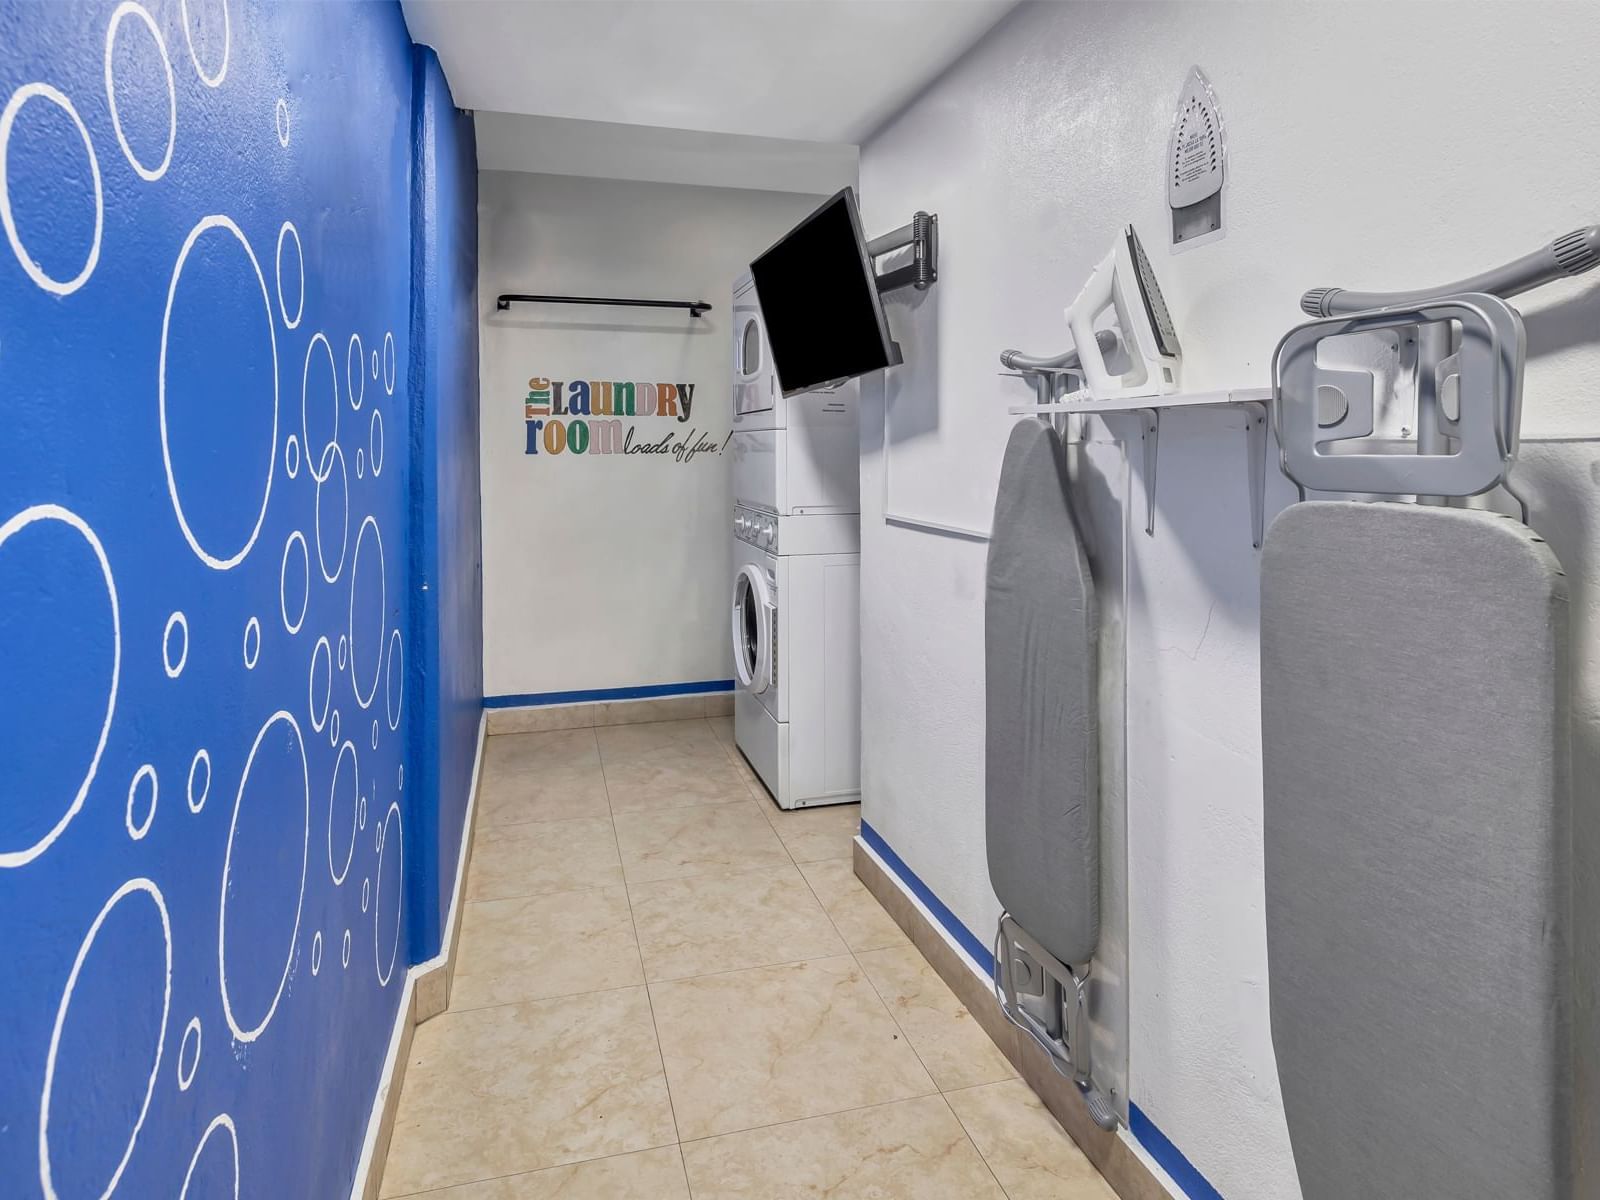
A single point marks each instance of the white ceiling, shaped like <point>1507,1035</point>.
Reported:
<point>605,150</point>
<point>812,70</point>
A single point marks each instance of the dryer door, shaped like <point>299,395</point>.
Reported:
<point>752,629</point>
<point>755,387</point>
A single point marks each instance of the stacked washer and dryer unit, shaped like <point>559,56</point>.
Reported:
<point>797,575</point>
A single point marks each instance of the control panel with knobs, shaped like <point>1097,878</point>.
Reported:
<point>756,528</point>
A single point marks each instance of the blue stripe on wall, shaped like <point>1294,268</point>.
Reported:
<point>968,941</point>
<point>1144,1130</point>
<point>646,691</point>
<point>1183,1172</point>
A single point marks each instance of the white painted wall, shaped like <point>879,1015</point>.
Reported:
<point>1376,146</point>
<point>610,150</point>
<point>609,571</point>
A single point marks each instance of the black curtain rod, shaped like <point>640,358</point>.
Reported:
<point>695,307</point>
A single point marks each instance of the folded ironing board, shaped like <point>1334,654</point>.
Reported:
<point>1417,836</point>
<point>1042,776</point>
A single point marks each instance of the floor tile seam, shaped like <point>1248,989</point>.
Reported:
<point>531,999</point>
<point>621,987</point>
<point>785,962</point>
<point>696,874</point>
<point>818,898</point>
<point>835,1112</point>
<point>757,967</point>
<point>560,762</point>
<point>971,1141</point>
<point>565,891</point>
<point>700,874</point>
<point>727,872</point>
<point>678,807</point>
<point>655,1029</point>
<point>990,1041</point>
<point>824,858</point>
<point>889,1008</point>
<point>665,756</point>
<point>538,821</point>
<point>644,753</point>
<point>577,1162</point>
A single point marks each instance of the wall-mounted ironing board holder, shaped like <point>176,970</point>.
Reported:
<point>1468,346</point>
<point>1252,402</point>
<point>1049,1002</point>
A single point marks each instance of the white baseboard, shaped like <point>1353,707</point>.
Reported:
<point>432,974</point>
<point>380,1121</point>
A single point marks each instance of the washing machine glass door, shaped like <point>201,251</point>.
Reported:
<point>752,629</point>
<point>755,387</point>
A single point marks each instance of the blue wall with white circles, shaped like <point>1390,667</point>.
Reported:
<point>448,546</point>
<point>208,513</point>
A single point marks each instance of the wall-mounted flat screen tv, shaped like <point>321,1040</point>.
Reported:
<point>819,301</point>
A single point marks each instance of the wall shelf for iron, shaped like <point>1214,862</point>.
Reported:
<point>1149,408</point>
<point>696,307</point>
<point>1083,405</point>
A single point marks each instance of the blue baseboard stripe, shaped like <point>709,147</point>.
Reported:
<point>1144,1130</point>
<point>969,942</point>
<point>1183,1172</point>
<point>647,691</point>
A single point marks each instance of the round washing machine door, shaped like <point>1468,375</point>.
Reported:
<point>752,629</point>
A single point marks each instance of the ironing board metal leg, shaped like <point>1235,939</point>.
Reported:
<point>1150,431</point>
<point>1255,440</point>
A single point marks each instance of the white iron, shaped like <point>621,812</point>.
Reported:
<point>1125,282</point>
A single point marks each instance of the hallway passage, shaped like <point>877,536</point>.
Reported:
<point>666,987</point>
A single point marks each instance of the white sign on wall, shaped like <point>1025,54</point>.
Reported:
<point>607,483</point>
<point>583,417</point>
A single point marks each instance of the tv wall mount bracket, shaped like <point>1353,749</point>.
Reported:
<point>922,272</point>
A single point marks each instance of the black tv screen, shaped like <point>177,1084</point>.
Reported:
<point>819,301</point>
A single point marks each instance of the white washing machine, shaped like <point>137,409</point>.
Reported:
<point>796,620</point>
<point>797,575</point>
<point>792,455</point>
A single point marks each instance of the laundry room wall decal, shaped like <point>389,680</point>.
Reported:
<point>560,418</point>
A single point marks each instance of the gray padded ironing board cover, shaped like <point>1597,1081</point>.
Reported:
<point>1417,833</point>
<point>1042,777</point>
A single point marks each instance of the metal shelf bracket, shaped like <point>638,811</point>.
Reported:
<point>1252,401</point>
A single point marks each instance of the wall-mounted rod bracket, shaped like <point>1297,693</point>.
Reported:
<point>922,272</point>
<point>696,307</point>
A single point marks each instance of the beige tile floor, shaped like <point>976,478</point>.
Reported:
<point>668,989</point>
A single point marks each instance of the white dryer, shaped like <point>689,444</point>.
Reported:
<point>795,624</point>
<point>792,455</point>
